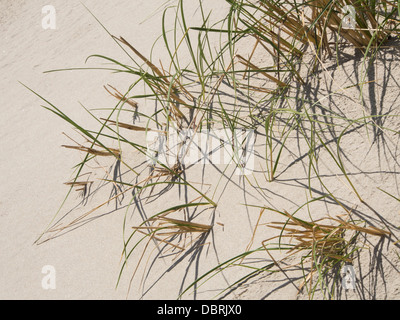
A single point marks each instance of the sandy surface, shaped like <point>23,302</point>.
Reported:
<point>87,258</point>
<point>35,167</point>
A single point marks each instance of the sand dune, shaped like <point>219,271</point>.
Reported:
<point>86,258</point>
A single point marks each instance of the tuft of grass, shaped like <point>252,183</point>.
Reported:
<point>166,233</point>
<point>226,88</point>
<point>323,242</point>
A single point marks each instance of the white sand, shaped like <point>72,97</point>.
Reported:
<point>35,166</point>
<point>87,259</point>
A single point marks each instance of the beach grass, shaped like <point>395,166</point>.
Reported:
<point>296,40</point>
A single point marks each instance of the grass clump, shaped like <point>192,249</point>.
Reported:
<point>228,89</point>
<point>326,244</point>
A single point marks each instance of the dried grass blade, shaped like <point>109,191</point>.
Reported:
<point>121,97</point>
<point>130,126</point>
<point>112,152</point>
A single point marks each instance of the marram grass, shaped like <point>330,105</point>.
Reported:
<point>191,96</point>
